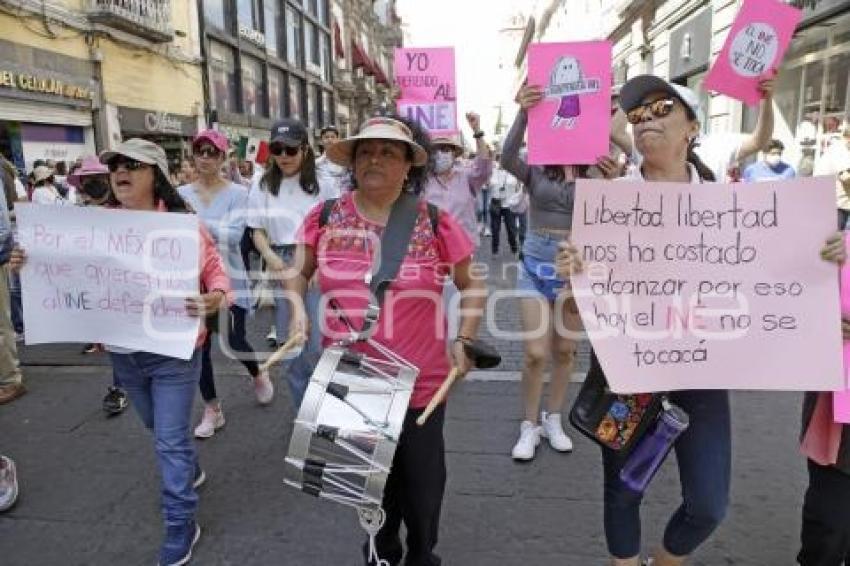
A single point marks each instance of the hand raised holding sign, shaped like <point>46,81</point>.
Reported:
<point>766,86</point>
<point>529,96</point>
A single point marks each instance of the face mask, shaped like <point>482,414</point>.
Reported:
<point>772,160</point>
<point>443,161</point>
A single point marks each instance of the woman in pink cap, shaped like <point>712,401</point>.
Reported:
<point>220,204</point>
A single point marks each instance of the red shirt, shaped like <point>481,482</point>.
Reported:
<point>412,322</point>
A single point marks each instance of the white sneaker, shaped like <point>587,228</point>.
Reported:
<point>529,439</point>
<point>212,420</point>
<point>553,430</point>
<point>487,232</point>
<point>263,388</point>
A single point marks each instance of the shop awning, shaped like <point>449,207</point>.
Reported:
<point>380,76</point>
<point>359,59</point>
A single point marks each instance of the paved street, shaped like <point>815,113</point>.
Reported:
<point>89,486</point>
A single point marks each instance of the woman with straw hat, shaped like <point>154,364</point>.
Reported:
<point>340,249</point>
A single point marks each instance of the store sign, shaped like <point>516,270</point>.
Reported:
<point>43,84</point>
<point>139,121</point>
<point>252,35</point>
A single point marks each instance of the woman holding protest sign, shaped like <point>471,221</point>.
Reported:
<point>221,205</point>
<point>553,322</point>
<point>664,117</point>
<point>162,388</point>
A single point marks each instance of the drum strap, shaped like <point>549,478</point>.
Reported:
<point>394,242</point>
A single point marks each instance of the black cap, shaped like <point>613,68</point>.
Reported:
<point>288,131</point>
<point>329,128</point>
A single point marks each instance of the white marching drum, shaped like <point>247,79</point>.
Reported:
<point>348,428</point>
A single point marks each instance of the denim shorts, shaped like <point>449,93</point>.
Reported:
<point>537,275</point>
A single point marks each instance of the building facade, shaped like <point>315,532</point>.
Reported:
<point>266,59</point>
<point>679,40</point>
<point>365,35</point>
<point>78,76</point>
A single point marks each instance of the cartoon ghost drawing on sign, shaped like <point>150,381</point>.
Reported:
<point>567,83</point>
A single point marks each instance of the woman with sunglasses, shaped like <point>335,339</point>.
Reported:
<point>383,157</point>
<point>221,205</point>
<point>550,189</point>
<point>162,388</point>
<point>664,117</point>
<point>278,204</point>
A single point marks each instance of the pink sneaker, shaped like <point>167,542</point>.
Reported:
<point>212,420</point>
<point>263,388</point>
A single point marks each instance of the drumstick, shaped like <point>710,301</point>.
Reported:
<point>295,340</point>
<point>438,397</point>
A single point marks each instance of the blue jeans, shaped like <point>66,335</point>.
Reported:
<point>162,390</point>
<point>297,371</point>
<point>537,275</point>
<point>704,455</point>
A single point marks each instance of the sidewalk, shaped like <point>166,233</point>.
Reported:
<point>89,486</point>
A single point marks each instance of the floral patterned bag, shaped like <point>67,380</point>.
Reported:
<point>612,420</point>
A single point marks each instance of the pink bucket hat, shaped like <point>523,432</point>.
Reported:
<point>218,139</point>
<point>91,166</point>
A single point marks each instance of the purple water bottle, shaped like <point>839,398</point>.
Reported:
<point>649,454</point>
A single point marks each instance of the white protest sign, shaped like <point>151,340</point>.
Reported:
<point>115,277</point>
<point>710,286</point>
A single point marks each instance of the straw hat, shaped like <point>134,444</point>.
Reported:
<point>379,128</point>
<point>450,141</point>
<point>143,151</point>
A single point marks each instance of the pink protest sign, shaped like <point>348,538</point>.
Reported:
<point>753,49</point>
<point>572,123</point>
<point>426,78</point>
<point>709,286</point>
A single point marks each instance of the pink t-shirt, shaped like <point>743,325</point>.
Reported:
<point>412,322</point>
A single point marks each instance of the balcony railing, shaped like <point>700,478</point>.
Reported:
<point>150,19</point>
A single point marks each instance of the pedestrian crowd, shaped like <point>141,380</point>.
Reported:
<point>302,227</point>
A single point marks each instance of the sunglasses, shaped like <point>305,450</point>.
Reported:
<point>277,150</point>
<point>207,152</point>
<point>659,108</point>
<point>128,164</point>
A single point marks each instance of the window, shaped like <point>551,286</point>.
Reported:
<point>323,12</point>
<point>215,14</point>
<point>293,36</point>
<point>314,7</point>
<point>272,21</point>
<point>296,98</point>
<point>312,106</point>
<point>253,91</point>
<point>248,13</point>
<point>276,92</point>
<point>311,44</point>
<point>327,108</point>
<point>222,77</point>
<point>326,57</point>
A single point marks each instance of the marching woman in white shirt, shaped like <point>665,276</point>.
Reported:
<point>279,202</point>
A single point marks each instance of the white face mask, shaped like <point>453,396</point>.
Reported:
<point>443,161</point>
<point>773,160</point>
